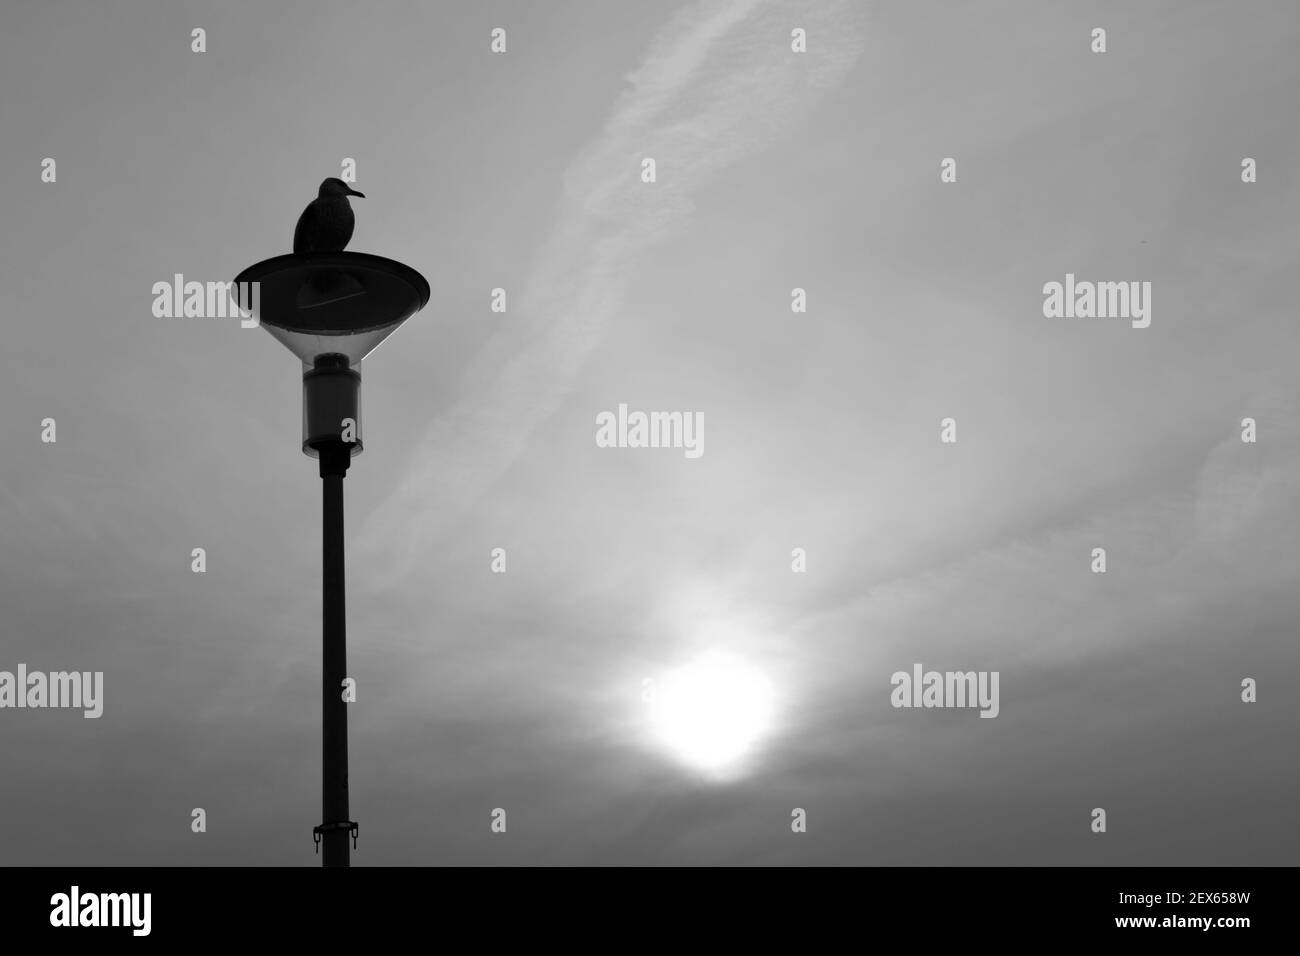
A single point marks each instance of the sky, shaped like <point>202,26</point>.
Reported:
<point>541,691</point>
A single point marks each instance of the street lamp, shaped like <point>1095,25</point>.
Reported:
<point>332,309</point>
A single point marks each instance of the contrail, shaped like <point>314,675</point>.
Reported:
<point>717,84</point>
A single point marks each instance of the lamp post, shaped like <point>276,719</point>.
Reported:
<point>332,309</point>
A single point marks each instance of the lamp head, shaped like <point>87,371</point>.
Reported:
<point>342,303</point>
<point>331,309</point>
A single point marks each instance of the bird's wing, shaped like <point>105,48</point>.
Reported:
<point>308,227</point>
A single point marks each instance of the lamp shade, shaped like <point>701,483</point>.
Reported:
<point>331,303</point>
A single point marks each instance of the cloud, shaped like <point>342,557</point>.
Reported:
<point>718,84</point>
<point>1185,569</point>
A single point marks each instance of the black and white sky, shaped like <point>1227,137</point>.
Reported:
<point>626,567</point>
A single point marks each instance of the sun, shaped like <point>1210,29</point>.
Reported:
<point>711,712</point>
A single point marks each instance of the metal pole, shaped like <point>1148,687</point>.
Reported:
<point>336,828</point>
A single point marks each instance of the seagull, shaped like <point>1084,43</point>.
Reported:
<point>326,224</point>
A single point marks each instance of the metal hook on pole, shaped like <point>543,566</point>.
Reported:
<point>351,826</point>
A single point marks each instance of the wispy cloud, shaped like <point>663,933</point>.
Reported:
<point>717,84</point>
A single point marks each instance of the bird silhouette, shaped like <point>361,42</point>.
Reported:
<point>326,224</point>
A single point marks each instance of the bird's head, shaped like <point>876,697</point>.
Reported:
<point>333,188</point>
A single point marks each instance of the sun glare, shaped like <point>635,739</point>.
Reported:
<point>711,712</point>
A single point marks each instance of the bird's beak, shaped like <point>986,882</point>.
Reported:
<point>353,192</point>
